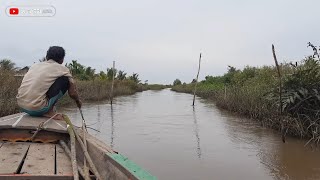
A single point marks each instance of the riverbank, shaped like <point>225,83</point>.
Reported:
<point>254,92</point>
<point>97,90</point>
<point>100,90</point>
<point>92,90</point>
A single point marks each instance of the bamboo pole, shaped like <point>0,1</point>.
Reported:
<point>195,87</point>
<point>85,167</point>
<point>280,93</point>
<point>67,150</point>
<point>84,131</point>
<point>113,74</point>
<point>73,153</point>
<point>85,152</point>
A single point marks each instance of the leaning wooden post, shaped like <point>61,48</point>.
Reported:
<point>195,87</point>
<point>85,152</point>
<point>113,74</point>
<point>73,152</point>
<point>280,93</point>
<point>84,131</point>
<point>67,151</point>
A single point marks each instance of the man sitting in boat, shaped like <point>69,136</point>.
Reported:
<point>44,84</point>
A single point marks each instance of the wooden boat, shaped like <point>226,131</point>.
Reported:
<point>30,149</point>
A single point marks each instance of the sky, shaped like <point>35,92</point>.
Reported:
<point>161,39</point>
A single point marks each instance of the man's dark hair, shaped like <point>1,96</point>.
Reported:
<point>56,53</point>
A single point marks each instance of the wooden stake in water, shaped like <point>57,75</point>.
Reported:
<point>195,87</point>
<point>280,93</point>
<point>113,74</point>
<point>225,92</point>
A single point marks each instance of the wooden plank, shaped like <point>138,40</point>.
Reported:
<point>11,116</point>
<point>14,135</point>
<point>11,157</point>
<point>35,177</point>
<point>40,159</point>
<point>8,121</point>
<point>30,122</point>
<point>63,163</point>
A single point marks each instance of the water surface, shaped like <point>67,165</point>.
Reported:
<point>162,132</point>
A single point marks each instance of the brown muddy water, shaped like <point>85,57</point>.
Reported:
<point>160,131</point>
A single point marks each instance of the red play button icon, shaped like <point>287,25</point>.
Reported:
<point>14,11</point>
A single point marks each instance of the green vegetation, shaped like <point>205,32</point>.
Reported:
<point>156,86</point>
<point>254,92</point>
<point>92,86</point>
<point>100,90</point>
<point>176,82</point>
<point>8,91</point>
<point>7,65</point>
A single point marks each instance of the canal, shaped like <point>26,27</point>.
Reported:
<point>163,133</point>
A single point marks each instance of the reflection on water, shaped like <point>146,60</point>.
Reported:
<point>196,132</point>
<point>112,126</point>
<point>160,131</point>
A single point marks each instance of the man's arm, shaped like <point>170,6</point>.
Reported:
<point>73,93</point>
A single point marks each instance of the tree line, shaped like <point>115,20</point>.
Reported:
<point>79,71</point>
<point>255,92</point>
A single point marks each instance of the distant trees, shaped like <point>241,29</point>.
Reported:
<point>90,72</point>
<point>135,78</point>
<point>81,72</point>
<point>77,70</point>
<point>7,64</point>
<point>102,75</point>
<point>111,72</point>
<point>121,75</point>
<point>176,82</point>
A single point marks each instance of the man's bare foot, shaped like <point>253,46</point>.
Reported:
<point>50,114</point>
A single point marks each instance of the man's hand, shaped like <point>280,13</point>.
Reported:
<point>74,94</point>
<point>79,103</point>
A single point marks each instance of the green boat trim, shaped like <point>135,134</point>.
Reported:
<point>132,167</point>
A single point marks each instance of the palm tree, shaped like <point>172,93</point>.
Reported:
<point>7,64</point>
<point>135,77</point>
<point>103,75</point>
<point>90,72</point>
<point>176,82</point>
<point>76,68</point>
<point>111,72</point>
<point>121,75</point>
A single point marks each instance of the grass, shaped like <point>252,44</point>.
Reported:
<point>155,86</point>
<point>100,90</point>
<point>88,91</point>
<point>8,91</point>
<point>254,92</point>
